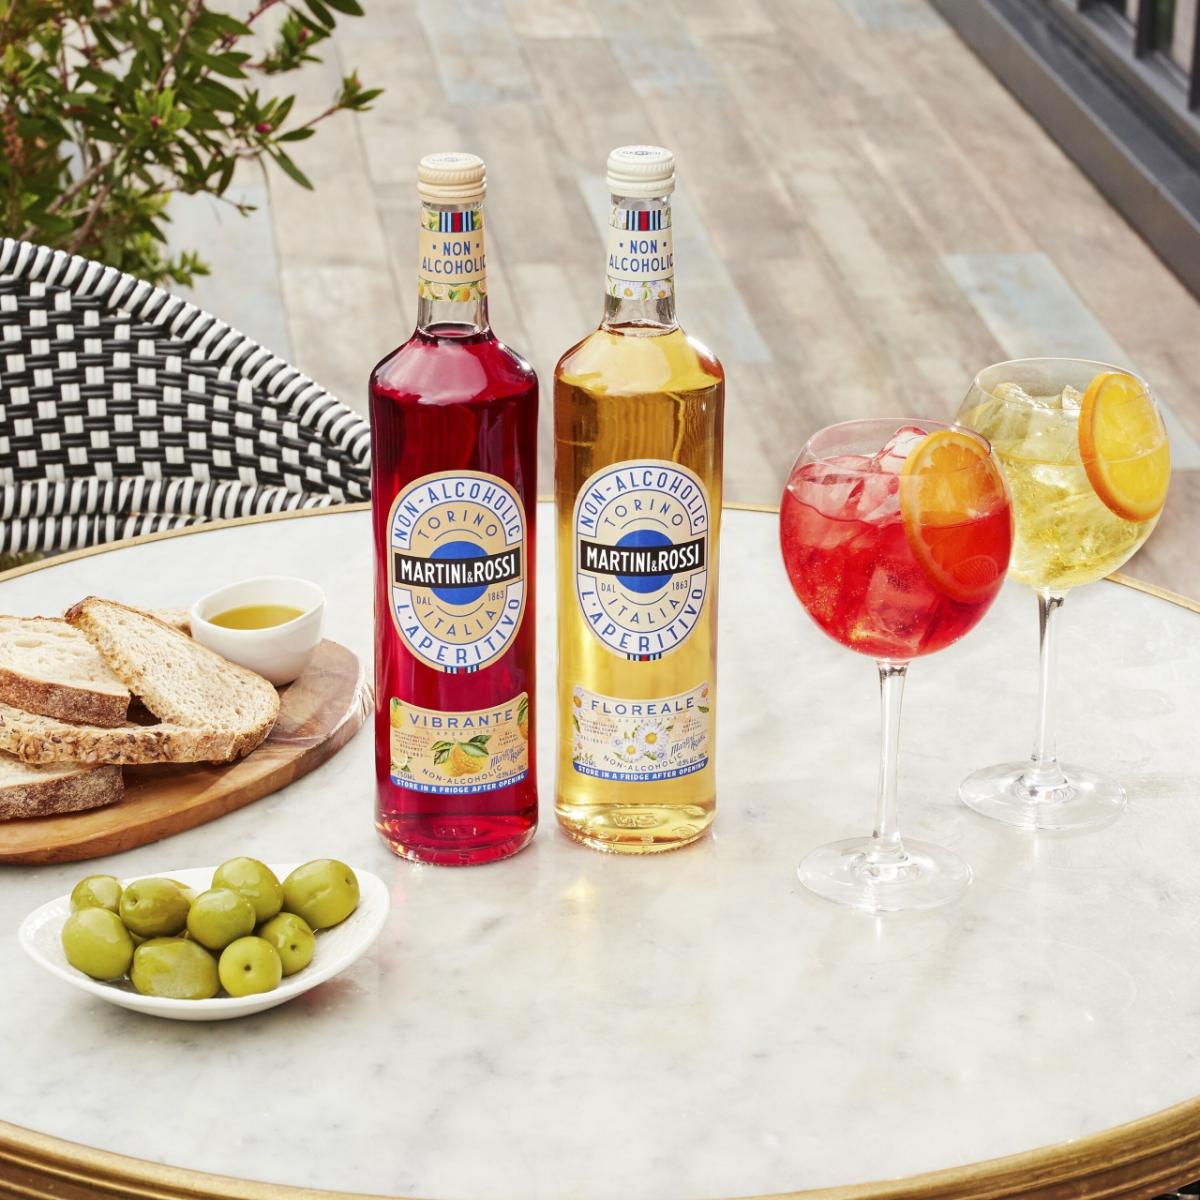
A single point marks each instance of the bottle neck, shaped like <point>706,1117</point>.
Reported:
<point>452,270</point>
<point>640,287</point>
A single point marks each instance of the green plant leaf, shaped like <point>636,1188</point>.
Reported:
<point>320,13</point>
<point>290,169</point>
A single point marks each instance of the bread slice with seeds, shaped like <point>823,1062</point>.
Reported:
<point>48,667</point>
<point>180,681</point>
<point>37,739</point>
<point>28,790</point>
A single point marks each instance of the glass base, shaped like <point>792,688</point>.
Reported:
<point>922,876</point>
<point>1076,799</point>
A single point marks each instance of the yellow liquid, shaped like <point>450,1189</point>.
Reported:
<point>256,616</point>
<point>623,396</point>
<point>1065,535</point>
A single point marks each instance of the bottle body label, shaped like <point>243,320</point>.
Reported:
<point>459,753</point>
<point>451,264</point>
<point>641,534</point>
<point>641,257</point>
<point>640,741</point>
<point>456,568</point>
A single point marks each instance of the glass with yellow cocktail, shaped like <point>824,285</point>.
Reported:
<point>1087,461</point>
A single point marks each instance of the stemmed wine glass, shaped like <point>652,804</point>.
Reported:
<point>896,536</point>
<point>1085,453</point>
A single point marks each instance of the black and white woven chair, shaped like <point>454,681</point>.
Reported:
<point>125,410</point>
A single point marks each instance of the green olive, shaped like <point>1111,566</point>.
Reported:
<point>188,892</point>
<point>249,966</point>
<point>292,938</point>
<point>254,880</point>
<point>324,892</point>
<point>154,908</point>
<point>96,943</point>
<point>219,917</point>
<point>175,968</point>
<point>97,891</point>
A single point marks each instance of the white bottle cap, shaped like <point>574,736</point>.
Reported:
<point>642,171</point>
<point>451,178</point>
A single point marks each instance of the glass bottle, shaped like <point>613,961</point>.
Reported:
<point>638,415</point>
<point>454,505</point>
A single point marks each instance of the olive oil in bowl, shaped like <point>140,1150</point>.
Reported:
<point>256,616</point>
<point>270,624</point>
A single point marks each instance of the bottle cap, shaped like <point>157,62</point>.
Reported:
<point>451,177</point>
<point>643,171</point>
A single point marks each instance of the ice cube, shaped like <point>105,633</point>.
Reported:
<point>1071,399</point>
<point>897,448</point>
<point>831,486</point>
<point>901,607</point>
<point>1014,393</point>
<point>879,500</point>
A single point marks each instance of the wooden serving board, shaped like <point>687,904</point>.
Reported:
<point>318,715</point>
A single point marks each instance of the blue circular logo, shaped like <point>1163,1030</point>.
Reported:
<point>456,546</point>
<point>641,556</point>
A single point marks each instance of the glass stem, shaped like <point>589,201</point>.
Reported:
<point>1045,771</point>
<point>886,846</point>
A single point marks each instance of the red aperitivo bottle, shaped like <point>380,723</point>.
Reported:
<point>454,501</point>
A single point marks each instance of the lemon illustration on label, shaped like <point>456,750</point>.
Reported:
<point>462,758</point>
<point>458,753</point>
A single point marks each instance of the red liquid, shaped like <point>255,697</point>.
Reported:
<point>861,582</point>
<point>446,401</point>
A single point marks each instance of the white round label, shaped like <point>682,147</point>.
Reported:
<point>641,556</point>
<point>456,543</point>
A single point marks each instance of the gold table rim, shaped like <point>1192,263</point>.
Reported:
<point>1135,1159</point>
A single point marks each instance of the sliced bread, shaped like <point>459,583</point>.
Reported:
<point>27,790</point>
<point>180,681</point>
<point>177,618</point>
<point>37,739</point>
<point>50,668</point>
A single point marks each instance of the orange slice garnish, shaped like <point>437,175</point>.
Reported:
<point>948,485</point>
<point>1123,446</point>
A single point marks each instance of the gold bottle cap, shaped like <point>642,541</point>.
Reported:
<point>451,177</point>
<point>644,171</point>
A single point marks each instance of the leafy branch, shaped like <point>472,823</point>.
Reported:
<point>110,107</point>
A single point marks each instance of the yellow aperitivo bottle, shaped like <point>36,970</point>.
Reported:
<point>638,414</point>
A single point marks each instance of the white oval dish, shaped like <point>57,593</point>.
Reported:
<point>279,652</point>
<point>40,938</point>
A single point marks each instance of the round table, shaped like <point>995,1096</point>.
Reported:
<point>692,1025</point>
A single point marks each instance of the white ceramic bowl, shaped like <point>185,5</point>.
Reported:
<point>280,652</point>
<point>41,933</point>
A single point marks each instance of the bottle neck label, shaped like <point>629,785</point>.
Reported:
<point>641,261</point>
<point>456,569</point>
<point>641,556</point>
<point>452,264</point>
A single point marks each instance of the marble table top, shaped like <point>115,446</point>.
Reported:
<point>695,1025</point>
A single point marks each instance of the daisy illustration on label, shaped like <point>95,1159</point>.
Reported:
<point>457,568</point>
<point>641,556</point>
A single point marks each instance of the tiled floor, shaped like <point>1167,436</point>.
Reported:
<point>865,217</point>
